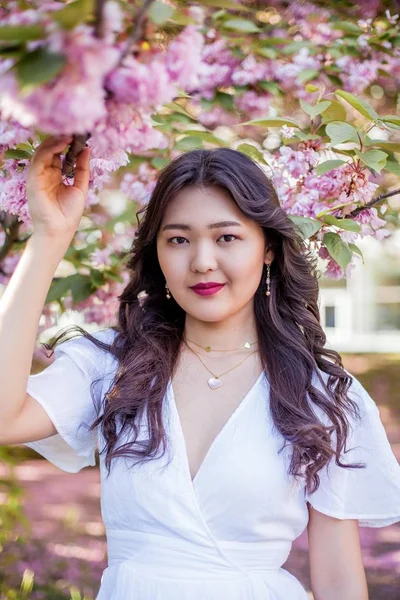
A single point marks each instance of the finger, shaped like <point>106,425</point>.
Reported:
<point>56,161</point>
<point>82,171</point>
<point>45,152</point>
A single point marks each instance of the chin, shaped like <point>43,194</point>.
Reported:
<point>212,315</point>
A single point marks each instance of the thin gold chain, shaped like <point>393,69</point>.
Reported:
<point>208,348</point>
<point>228,371</point>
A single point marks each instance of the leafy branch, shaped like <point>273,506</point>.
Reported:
<point>79,140</point>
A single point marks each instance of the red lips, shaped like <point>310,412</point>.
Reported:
<point>205,286</point>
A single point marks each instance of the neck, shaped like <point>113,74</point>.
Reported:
<point>229,334</point>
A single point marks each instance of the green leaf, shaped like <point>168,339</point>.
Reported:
<point>308,227</point>
<point>294,47</point>
<point>373,159</point>
<point>307,75</point>
<point>335,112</point>
<point>270,86</point>
<point>18,154</point>
<point>338,249</point>
<point>206,136</point>
<point>225,100</point>
<point>229,4</point>
<point>328,165</point>
<point>181,19</point>
<point>21,33</point>
<point>389,146</point>
<point>346,224</point>
<point>360,105</point>
<point>38,67</point>
<point>73,13</point>
<point>316,110</point>
<point>393,167</point>
<point>175,107</point>
<point>253,152</point>
<point>159,12</point>
<point>266,52</point>
<point>391,119</point>
<point>97,277</point>
<point>189,143</point>
<point>241,25</point>
<point>158,162</point>
<point>340,132</point>
<point>271,122</point>
<point>310,88</point>
<point>12,51</point>
<point>348,27</point>
<point>356,250</point>
<point>58,289</point>
<point>115,277</point>
<point>300,135</point>
<point>81,286</point>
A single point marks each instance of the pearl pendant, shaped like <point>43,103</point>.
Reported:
<point>214,383</point>
<point>247,345</point>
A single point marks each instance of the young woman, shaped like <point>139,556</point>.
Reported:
<point>224,426</point>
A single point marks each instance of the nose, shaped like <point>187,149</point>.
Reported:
<point>203,258</point>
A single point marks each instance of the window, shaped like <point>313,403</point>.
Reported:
<point>387,316</point>
<point>329,316</point>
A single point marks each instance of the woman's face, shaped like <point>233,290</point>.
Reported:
<point>203,238</point>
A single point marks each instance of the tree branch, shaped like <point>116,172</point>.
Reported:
<point>137,30</point>
<point>98,19</point>
<point>372,203</point>
<point>10,223</point>
<point>79,141</point>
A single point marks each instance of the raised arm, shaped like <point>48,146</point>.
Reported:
<point>55,211</point>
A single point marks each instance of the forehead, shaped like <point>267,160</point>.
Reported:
<point>201,203</point>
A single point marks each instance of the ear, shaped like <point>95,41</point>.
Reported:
<point>269,256</point>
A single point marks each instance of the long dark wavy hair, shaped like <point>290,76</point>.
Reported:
<point>149,328</point>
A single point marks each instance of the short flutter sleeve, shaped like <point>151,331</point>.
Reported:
<point>371,494</point>
<point>63,390</point>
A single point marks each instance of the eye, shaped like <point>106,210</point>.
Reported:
<point>178,243</point>
<point>175,238</point>
<point>230,235</point>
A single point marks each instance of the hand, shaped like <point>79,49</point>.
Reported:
<point>56,209</point>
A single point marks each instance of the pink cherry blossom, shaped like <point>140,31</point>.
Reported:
<point>139,186</point>
<point>250,71</point>
<point>12,133</point>
<point>217,116</point>
<point>255,105</point>
<point>100,258</point>
<point>57,106</point>
<point>13,189</point>
<point>124,128</point>
<point>183,58</point>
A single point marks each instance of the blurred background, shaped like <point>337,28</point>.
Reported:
<point>274,64</point>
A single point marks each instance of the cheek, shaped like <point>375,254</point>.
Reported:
<point>247,263</point>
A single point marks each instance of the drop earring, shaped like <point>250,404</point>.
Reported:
<point>268,281</point>
<point>168,294</point>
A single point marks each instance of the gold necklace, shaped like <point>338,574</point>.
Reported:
<point>247,345</point>
<point>215,382</point>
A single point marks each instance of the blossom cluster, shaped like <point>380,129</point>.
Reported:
<point>116,94</point>
<point>306,194</point>
<point>96,91</point>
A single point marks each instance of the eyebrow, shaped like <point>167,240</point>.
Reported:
<point>211,226</point>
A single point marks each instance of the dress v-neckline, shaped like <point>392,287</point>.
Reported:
<point>215,441</point>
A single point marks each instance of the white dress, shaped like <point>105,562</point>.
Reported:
<point>227,534</point>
